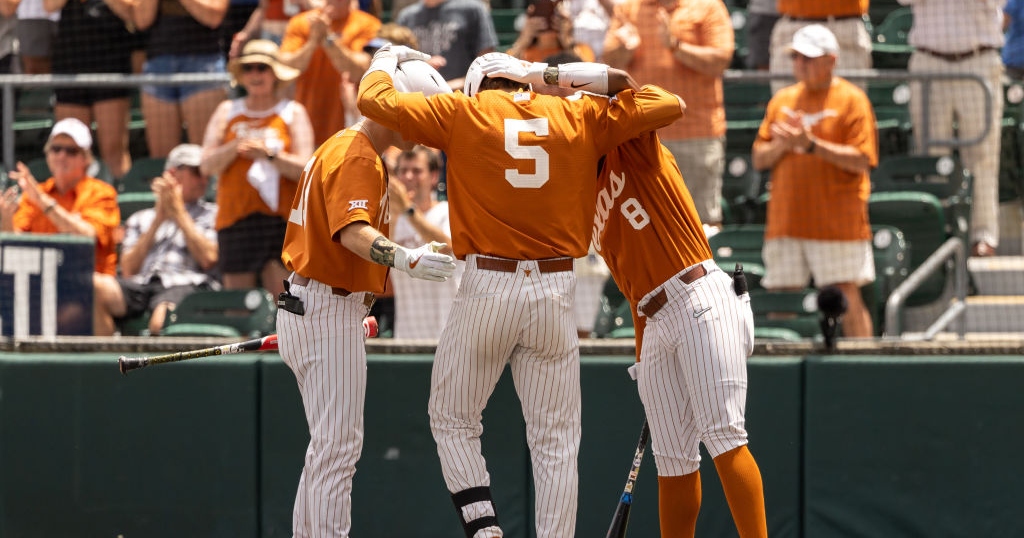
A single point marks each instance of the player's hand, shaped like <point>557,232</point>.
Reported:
<point>425,262</point>
<point>400,53</point>
<point>508,67</point>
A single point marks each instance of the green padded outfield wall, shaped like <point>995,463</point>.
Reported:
<point>166,452</point>
<point>914,446</point>
<point>214,447</point>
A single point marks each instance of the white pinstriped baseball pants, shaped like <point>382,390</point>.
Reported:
<point>325,349</point>
<point>524,319</point>
<point>692,374</point>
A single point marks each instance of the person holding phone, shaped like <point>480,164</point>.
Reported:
<point>548,31</point>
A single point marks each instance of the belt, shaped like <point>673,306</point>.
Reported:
<point>654,304</point>
<point>300,280</point>
<point>956,56</point>
<point>825,19</point>
<point>551,265</point>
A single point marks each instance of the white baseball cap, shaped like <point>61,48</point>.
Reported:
<point>814,41</point>
<point>78,131</point>
<point>184,155</point>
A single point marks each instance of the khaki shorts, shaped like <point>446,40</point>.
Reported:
<point>790,263</point>
<point>702,162</point>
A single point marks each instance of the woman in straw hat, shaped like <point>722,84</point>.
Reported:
<point>257,146</point>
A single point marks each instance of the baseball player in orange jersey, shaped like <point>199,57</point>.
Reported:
<point>336,245</point>
<point>694,332</point>
<point>514,155</point>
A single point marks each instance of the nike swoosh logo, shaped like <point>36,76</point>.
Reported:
<point>701,312</point>
<point>414,263</point>
<point>574,85</point>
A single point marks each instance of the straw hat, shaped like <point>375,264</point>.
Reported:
<point>261,51</point>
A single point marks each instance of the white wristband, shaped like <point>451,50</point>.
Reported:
<point>586,76</point>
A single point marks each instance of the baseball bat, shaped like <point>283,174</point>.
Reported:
<point>267,343</point>
<point>621,517</point>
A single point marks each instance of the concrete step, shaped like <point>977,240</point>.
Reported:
<point>995,313</point>
<point>997,275</point>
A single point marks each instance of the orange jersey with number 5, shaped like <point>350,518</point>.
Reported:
<point>344,182</point>
<point>522,167</point>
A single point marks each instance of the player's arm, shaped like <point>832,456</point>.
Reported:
<point>424,262</point>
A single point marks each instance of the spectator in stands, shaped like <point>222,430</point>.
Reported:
<point>184,37</point>
<point>69,202</point>
<point>453,32</point>
<point>268,21</point>
<point>951,36</point>
<point>36,32</point>
<point>548,34</point>
<point>684,47</point>
<point>8,35</point>
<point>257,146</point>
<point>322,44</point>
<point>590,19</point>
<point>761,18</point>
<point>844,18</point>
<point>1013,50</point>
<point>417,217</point>
<point>820,141</point>
<point>168,251</point>
<point>93,37</point>
<point>238,16</point>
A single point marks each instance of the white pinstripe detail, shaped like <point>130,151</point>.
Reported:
<point>325,350</point>
<point>692,375</point>
<point>527,322</point>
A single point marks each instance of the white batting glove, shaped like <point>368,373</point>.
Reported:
<point>514,69</point>
<point>425,262</point>
<point>404,54</point>
<point>587,76</point>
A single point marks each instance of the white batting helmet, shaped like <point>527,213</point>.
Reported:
<point>419,76</point>
<point>475,75</point>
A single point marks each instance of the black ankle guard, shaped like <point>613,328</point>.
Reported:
<point>469,496</point>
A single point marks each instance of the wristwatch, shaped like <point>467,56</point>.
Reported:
<point>810,149</point>
<point>271,154</point>
<point>410,211</point>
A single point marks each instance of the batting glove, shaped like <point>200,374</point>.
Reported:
<point>425,262</point>
<point>513,69</point>
<point>587,76</point>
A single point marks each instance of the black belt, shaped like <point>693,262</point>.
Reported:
<point>551,265</point>
<point>300,280</point>
<point>654,304</point>
<point>956,56</point>
<point>826,19</point>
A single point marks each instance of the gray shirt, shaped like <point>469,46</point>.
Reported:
<point>458,30</point>
<point>169,259</point>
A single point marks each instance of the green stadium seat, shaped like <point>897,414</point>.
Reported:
<point>794,311</point>
<point>231,313</point>
<point>922,219</point>
<point>738,16</point>
<point>890,48</point>
<point>892,265</point>
<point>613,312</point>
<point>1011,154</point>
<point>745,104</point>
<point>137,178</point>
<point>942,176</point>
<point>505,26</point>
<point>132,202</point>
<point>741,185</point>
<point>890,99</point>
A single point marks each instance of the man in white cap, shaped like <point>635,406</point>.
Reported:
<point>168,250</point>
<point>819,139</point>
<point>69,202</point>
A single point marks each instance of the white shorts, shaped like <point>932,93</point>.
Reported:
<point>790,262</point>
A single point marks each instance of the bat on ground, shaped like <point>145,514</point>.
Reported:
<point>267,343</point>
<point>621,517</point>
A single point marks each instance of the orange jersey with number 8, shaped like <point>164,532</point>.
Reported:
<point>522,167</point>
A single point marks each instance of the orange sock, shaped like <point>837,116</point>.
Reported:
<point>741,481</point>
<point>678,505</point>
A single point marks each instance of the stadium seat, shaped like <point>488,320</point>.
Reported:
<point>741,185</point>
<point>892,265</point>
<point>941,176</point>
<point>1011,154</point>
<point>796,312</point>
<point>921,218</point>
<point>745,104</point>
<point>738,17</point>
<point>505,26</point>
<point>613,312</point>
<point>231,313</point>
<point>131,202</point>
<point>890,48</point>
<point>139,175</point>
<point>890,99</point>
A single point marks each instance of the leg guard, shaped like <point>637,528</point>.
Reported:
<point>475,508</point>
